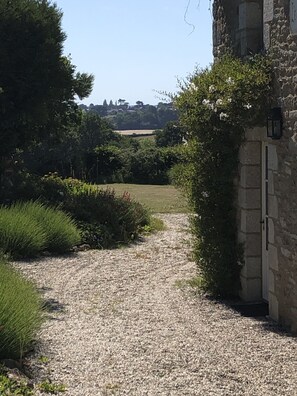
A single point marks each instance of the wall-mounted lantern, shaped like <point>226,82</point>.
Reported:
<point>275,123</point>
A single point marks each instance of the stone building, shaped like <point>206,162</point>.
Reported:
<point>267,191</point>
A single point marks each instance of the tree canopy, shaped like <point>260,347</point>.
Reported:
<point>38,85</point>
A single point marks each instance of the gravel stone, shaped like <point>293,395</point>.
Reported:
<point>120,324</point>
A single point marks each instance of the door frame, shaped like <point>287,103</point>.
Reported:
<point>265,219</point>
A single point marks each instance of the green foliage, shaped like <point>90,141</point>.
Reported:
<point>94,131</point>
<point>28,228</point>
<point>103,218</point>
<point>155,225</point>
<point>120,216</point>
<point>104,163</point>
<point>216,105</point>
<point>11,387</point>
<point>20,313</point>
<point>150,165</point>
<point>50,387</point>
<point>141,117</point>
<point>38,84</point>
<point>96,235</point>
<point>171,135</point>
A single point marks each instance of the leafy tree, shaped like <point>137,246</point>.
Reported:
<point>38,85</point>
<point>171,135</point>
<point>121,102</point>
<point>95,131</point>
<point>100,110</point>
<point>105,103</point>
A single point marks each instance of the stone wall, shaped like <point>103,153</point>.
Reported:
<point>282,45</point>
<point>249,214</point>
<point>237,28</point>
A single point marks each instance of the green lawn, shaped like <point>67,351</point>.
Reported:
<point>160,199</point>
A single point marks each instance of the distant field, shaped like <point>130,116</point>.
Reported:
<point>137,132</point>
<point>160,199</point>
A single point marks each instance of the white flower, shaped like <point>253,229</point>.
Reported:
<point>248,106</point>
<point>230,81</point>
<point>193,87</point>
<point>205,102</point>
<point>229,100</point>
<point>211,88</point>
<point>219,102</point>
<point>223,116</point>
<point>205,194</point>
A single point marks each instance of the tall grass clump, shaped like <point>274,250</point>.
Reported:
<point>27,228</point>
<point>20,313</point>
<point>60,230</point>
<point>20,234</point>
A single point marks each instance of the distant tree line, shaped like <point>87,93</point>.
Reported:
<point>123,116</point>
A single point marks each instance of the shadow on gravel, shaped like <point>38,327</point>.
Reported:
<point>52,306</point>
<point>259,311</point>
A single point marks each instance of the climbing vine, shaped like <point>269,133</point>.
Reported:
<point>216,105</point>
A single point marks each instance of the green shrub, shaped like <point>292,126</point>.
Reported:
<point>60,230</point>
<point>121,217</point>
<point>20,312</point>
<point>20,234</point>
<point>216,105</point>
<point>150,165</point>
<point>96,235</point>
<point>103,218</point>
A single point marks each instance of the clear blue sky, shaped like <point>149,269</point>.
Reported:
<point>134,47</point>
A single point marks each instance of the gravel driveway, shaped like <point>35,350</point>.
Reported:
<point>121,325</point>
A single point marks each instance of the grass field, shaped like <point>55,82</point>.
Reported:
<point>159,199</point>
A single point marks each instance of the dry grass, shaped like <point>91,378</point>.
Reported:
<point>159,199</point>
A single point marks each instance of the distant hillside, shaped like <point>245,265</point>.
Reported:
<point>141,116</point>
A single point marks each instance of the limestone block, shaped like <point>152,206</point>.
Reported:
<point>273,257</point>
<point>273,307</point>
<point>273,206</point>
<point>250,153</point>
<point>270,231</point>
<point>250,15</point>
<point>268,9</point>
<point>250,176</point>
<point>251,289</point>
<point>252,243</point>
<point>266,36</point>
<point>272,158</point>
<point>252,267</point>
<point>250,221</point>
<point>271,281</point>
<point>249,198</point>
<point>255,134</point>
